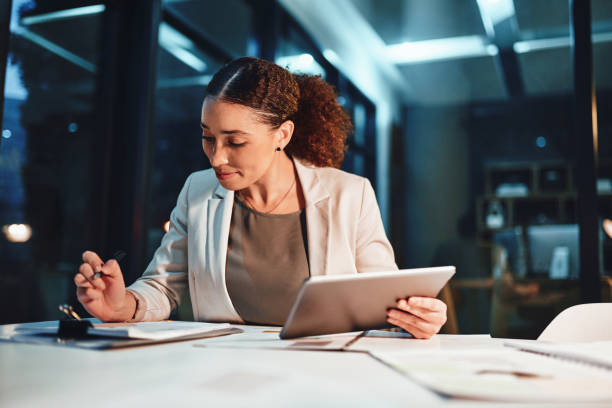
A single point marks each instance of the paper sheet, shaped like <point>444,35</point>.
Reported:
<point>155,330</point>
<point>502,375</point>
<point>268,338</point>
<point>597,353</point>
<point>437,342</point>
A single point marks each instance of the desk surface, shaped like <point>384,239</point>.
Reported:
<point>247,369</point>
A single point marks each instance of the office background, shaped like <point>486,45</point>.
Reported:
<point>482,124</point>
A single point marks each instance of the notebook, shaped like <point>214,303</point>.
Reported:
<point>164,330</point>
<point>598,353</point>
<point>104,336</point>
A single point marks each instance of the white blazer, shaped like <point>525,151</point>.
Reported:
<point>344,231</point>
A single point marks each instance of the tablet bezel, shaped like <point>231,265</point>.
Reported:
<point>314,312</point>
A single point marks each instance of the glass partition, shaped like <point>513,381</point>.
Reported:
<point>46,154</point>
<point>488,155</point>
<point>601,26</point>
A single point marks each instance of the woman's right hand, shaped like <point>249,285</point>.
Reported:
<point>107,299</point>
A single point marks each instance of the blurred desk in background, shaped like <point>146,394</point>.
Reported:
<point>519,307</point>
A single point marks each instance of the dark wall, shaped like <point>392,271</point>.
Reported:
<point>436,183</point>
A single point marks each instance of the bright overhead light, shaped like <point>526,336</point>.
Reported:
<point>63,14</point>
<point>331,56</point>
<point>180,46</point>
<point>493,12</point>
<point>54,48</point>
<point>17,232</point>
<point>302,63</point>
<point>521,47</point>
<point>440,49</point>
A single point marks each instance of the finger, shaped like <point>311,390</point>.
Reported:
<point>438,317</point>
<point>423,312</point>
<point>415,321</point>
<point>93,294</point>
<point>427,303</point>
<point>85,295</point>
<point>80,281</point>
<point>111,268</point>
<point>86,271</point>
<point>415,331</point>
<point>93,260</point>
<point>81,295</point>
<point>99,284</point>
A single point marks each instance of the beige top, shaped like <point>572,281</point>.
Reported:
<point>267,263</point>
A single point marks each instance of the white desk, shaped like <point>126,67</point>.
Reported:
<point>222,371</point>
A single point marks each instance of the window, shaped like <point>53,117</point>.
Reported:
<point>46,154</point>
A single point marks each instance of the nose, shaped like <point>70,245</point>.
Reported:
<point>217,156</point>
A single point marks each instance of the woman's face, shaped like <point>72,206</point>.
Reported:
<point>240,148</point>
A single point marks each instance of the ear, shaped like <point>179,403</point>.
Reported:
<point>284,133</point>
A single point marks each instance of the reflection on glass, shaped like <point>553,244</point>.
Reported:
<point>45,154</point>
<point>184,70</point>
<point>301,64</point>
<point>488,153</point>
<point>228,23</point>
<point>601,32</point>
<point>294,54</point>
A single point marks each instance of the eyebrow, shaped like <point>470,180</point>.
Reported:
<point>227,132</point>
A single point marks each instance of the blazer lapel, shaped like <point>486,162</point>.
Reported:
<point>219,215</point>
<point>318,218</point>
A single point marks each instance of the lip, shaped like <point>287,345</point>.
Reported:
<point>224,175</point>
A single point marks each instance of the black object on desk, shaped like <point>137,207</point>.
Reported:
<point>73,329</point>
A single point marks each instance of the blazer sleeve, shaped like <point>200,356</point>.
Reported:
<point>162,285</point>
<point>373,250</point>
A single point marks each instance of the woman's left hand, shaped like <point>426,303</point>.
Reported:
<point>420,316</point>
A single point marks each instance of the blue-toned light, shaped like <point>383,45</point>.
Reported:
<point>493,12</point>
<point>541,142</point>
<point>331,56</point>
<point>521,47</point>
<point>64,14</point>
<point>302,63</point>
<point>440,49</point>
<point>180,46</point>
<point>6,133</point>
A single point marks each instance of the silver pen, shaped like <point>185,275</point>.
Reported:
<point>117,256</point>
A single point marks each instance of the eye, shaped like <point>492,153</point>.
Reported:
<point>236,144</point>
<point>208,139</point>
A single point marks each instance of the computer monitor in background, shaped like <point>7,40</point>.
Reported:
<point>553,242</point>
<point>512,240</point>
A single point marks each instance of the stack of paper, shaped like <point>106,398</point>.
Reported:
<point>155,330</point>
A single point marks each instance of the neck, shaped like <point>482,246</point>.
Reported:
<point>273,184</point>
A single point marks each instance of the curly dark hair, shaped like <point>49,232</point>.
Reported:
<point>321,125</point>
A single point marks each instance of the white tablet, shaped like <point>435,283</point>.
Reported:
<point>353,302</point>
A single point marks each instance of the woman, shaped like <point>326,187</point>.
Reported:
<point>272,211</point>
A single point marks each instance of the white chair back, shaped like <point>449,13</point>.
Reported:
<point>580,323</point>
